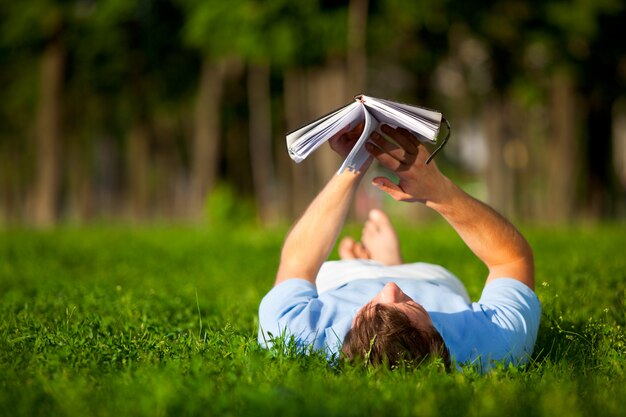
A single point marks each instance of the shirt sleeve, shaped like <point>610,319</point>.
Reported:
<point>291,308</point>
<point>514,311</point>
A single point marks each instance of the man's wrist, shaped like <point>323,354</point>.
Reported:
<point>351,175</point>
<point>447,193</point>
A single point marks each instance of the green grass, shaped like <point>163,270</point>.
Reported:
<point>162,321</point>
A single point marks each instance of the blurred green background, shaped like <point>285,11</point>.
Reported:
<point>169,110</point>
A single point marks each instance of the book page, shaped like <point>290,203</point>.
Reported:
<point>423,122</point>
<point>358,155</point>
<point>301,142</point>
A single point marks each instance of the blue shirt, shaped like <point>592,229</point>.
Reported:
<point>501,326</point>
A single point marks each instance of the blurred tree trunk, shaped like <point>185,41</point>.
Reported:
<point>601,182</point>
<point>309,95</point>
<point>296,115</point>
<point>48,135</point>
<point>79,178</point>
<point>109,162</point>
<point>356,53</point>
<point>500,184</point>
<point>562,149</point>
<point>138,169</point>
<point>205,147</point>
<point>166,196</point>
<point>603,81</point>
<point>517,142</point>
<point>260,136</point>
<point>11,183</point>
<point>326,91</point>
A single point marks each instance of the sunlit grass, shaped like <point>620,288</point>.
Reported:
<point>162,321</point>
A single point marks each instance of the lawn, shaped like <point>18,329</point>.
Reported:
<point>162,321</point>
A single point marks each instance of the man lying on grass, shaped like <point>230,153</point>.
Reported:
<point>370,305</point>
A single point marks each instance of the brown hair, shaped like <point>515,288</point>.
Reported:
<point>384,335</point>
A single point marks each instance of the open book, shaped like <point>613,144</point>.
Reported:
<point>424,123</point>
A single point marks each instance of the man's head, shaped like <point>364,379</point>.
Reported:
<point>391,329</point>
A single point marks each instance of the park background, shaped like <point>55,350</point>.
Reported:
<point>143,110</point>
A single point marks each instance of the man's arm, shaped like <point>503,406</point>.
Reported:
<point>311,239</point>
<point>490,236</point>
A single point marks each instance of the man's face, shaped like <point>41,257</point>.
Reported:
<point>393,296</point>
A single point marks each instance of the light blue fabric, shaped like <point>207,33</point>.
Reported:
<point>501,326</point>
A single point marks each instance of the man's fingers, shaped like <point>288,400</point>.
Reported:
<point>388,160</point>
<point>388,186</point>
<point>393,150</point>
<point>359,127</point>
<point>403,137</point>
<point>389,147</point>
<point>383,157</point>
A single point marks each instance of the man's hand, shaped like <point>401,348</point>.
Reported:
<point>418,181</point>
<point>489,235</point>
<point>343,141</point>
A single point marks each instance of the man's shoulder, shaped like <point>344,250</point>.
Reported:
<point>502,325</point>
<point>514,309</point>
<point>295,290</point>
<point>294,308</point>
<point>503,290</point>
